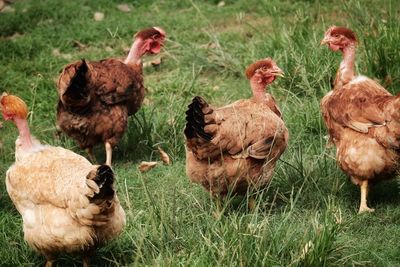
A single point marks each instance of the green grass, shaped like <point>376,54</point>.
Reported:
<point>307,215</point>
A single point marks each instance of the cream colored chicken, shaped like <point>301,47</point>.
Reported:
<point>363,120</point>
<point>67,204</point>
<point>235,147</point>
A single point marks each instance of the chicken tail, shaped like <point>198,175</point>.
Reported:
<point>101,181</point>
<point>73,86</point>
<point>195,121</point>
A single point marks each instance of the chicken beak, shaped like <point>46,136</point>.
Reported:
<point>278,72</point>
<point>325,40</point>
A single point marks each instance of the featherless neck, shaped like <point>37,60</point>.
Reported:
<point>134,53</point>
<point>347,65</point>
<point>24,133</point>
<point>258,90</point>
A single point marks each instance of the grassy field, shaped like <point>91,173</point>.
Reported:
<point>308,214</point>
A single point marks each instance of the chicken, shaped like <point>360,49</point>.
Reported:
<point>235,147</point>
<point>67,204</point>
<point>362,118</point>
<point>96,98</point>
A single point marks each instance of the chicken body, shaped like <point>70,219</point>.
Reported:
<point>245,140</point>
<point>111,90</point>
<point>363,121</point>
<point>361,118</point>
<point>67,204</point>
<point>235,147</point>
<point>96,98</point>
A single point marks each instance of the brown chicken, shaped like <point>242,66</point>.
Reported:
<point>96,98</point>
<point>363,119</point>
<point>67,204</point>
<point>232,148</point>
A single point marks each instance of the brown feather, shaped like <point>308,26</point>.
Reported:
<point>239,147</point>
<point>363,122</point>
<point>116,91</point>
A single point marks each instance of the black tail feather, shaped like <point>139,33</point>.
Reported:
<point>77,89</point>
<point>105,180</point>
<point>195,119</point>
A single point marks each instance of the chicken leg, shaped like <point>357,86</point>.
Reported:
<point>86,261</point>
<point>364,195</point>
<point>219,203</point>
<point>91,155</point>
<point>252,204</point>
<point>49,260</point>
<point>108,153</point>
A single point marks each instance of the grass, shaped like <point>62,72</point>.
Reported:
<point>307,215</point>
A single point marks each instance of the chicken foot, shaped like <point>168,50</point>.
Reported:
<point>108,153</point>
<point>364,194</point>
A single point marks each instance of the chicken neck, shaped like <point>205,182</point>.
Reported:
<point>24,133</point>
<point>346,69</point>
<point>135,53</point>
<point>258,90</point>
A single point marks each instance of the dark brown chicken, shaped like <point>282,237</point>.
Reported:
<point>363,119</point>
<point>236,146</point>
<point>96,98</point>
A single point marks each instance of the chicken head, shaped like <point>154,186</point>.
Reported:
<point>263,71</point>
<point>337,38</point>
<point>13,107</point>
<point>153,39</point>
<point>149,40</point>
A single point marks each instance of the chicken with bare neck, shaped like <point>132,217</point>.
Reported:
<point>362,118</point>
<point>96,98</point>
<point>66,203</point>
<point>234,148</point>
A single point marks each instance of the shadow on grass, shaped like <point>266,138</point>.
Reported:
<point>384,193</point>
<point>115,254</point>
<point>139,139</point>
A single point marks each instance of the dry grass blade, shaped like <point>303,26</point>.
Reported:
<point>78,44</point>
<point>144,166</point>
<point>164,156</point>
